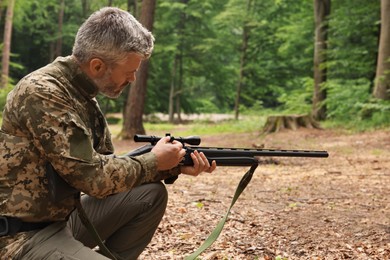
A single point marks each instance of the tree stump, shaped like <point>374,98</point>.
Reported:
<point>293,122</point>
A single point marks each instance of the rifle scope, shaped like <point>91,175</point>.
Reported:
<point>192,140</point>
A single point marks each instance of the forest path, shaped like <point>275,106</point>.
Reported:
<point>294,208</point>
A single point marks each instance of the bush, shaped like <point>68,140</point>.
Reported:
<point>344,97</point>
<point>376,112</point>
<point>299,100</point>
<point>3,96</point>
<point>350,105</point>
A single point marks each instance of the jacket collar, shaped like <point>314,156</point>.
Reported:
<point>77,77</point>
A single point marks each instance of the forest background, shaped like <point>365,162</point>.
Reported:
<point>329,59</point>
<point>326,58</point>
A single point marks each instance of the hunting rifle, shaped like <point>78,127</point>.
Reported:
<point>223,157</point>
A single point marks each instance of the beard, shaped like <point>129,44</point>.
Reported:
<point>108,88</point>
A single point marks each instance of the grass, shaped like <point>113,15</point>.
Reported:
<point>199,127</point>
<point>206,127</point>
<point>355,126</point>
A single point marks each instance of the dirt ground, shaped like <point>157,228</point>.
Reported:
<point>294,208</point>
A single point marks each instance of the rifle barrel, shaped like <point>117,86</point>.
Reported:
<point>246,152</point>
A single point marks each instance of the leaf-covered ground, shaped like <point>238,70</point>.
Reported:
<point>294,208</point>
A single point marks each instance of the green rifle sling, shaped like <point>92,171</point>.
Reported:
<point>217,231</point>
<point>93,232</point>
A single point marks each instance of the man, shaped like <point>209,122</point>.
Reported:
<point>52,119</point>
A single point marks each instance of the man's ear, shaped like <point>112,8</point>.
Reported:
<point>97,67</point>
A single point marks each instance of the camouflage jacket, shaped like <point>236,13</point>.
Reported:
<point>52,116</point>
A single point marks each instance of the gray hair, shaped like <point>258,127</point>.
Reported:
<point>109,34</point>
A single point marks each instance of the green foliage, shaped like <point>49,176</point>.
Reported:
<point>198,204</point>
<point>3,95</point>
<point>109,105</point>
<point>280,258</point>
<point>298,101</point>
<point>375,113</point>
<point>256,108</point>
<point>350,105</point>
<point>206,106</point>
<point>185,36</point>
<point>353,39</point>
<point>344,97</point>
<point>204,38</point>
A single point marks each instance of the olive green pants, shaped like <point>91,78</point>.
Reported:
<point>125,221</point>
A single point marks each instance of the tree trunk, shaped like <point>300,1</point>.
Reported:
<point>85,6</point>
<point>382,83</point>
<point>321,13</point>
<point>176,102</point>
<point>178,108</point>
<point>292,122</point>
<point>7,43</point>
<point>180,85</point>
<point>58,49</point>
<point>244,47</point>
<point>132,7</point>
<point>1,10</point>
<point>132,118</point>
<point>171,111</point>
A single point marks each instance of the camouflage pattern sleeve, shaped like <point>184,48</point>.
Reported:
<point>62,134</point>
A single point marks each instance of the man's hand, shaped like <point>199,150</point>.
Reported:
<point>169,154</point>
<point>201,164</point>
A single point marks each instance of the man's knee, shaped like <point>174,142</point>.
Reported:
<point>158,194</point>
<point>147,197</point>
